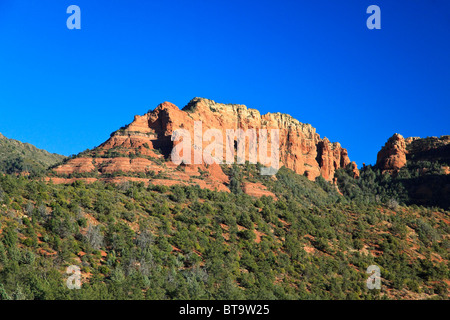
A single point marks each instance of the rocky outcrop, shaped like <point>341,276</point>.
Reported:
<point>392,156</point>
<point>143,145</point>
<point>301,148</point>
<point>425,163</point>
<point>433,149</point>
<point>398,151</point>
<point>355,170</point>
<point>257,190</point>
<point>330,157</point>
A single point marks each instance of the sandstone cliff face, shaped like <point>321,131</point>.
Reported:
<point>148,139</point>
<point>392,156</point>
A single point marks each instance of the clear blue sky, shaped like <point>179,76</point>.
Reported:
<point>67,90</point>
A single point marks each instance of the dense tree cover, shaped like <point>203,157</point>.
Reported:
<point>133,241</point>
<point>419,182</point>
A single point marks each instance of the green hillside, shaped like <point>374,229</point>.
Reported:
<point>133,241</point>
<point>17,157</point>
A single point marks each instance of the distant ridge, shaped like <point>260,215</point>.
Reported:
<point>18,157</point>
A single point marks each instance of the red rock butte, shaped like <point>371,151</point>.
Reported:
<point>397,151</point>
<point>145,145</point>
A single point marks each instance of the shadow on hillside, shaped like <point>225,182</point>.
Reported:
<point>429,190</point>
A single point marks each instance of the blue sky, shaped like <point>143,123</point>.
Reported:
<point>67,90</point>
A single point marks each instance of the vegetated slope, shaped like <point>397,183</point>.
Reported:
<point>17,157</point>
<point>410,171</point>
<point>133,241</point>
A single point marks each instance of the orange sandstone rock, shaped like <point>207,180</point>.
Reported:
<point>142,146</point>
<point>398,150</point>
<point>392,156</point>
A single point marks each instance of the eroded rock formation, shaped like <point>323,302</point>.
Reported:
<point>392,156</point>
<point>398,151</point>
<point>143,145</point>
